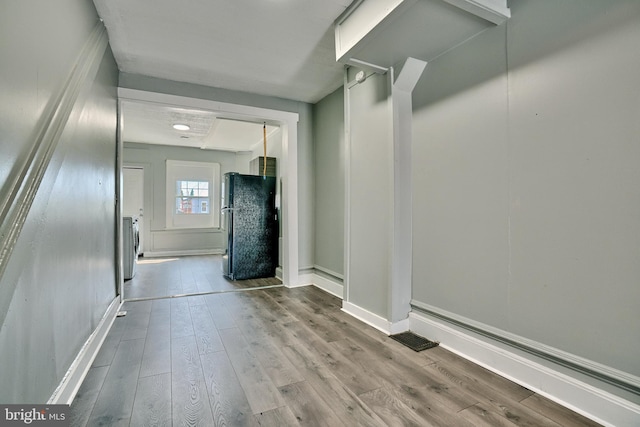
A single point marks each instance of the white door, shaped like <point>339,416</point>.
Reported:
<point>133,197</point>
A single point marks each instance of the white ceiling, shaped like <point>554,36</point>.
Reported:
<point>280,48</point>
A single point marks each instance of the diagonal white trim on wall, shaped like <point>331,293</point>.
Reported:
<point>19,193</point>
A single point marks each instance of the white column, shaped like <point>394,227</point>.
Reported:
<point>401,268</point>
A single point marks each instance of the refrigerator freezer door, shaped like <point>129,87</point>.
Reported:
<point>252,228</point>
<point>227,224</point>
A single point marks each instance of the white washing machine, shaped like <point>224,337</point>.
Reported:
<point>130,246</point>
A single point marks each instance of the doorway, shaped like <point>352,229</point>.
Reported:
<point>287,122</point>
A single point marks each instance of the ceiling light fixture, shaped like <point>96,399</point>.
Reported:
<point>179,126</point>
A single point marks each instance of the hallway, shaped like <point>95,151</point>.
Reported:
<point>281,357</point>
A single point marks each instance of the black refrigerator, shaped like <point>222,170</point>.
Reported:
<point>251,225</point>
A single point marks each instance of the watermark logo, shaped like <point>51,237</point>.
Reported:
<point>35,415</point>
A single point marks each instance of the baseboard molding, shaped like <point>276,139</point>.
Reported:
<point>374,320</point>
<point>182,252</point>
<point>306,278</point>
<point>581,397</point>
<point>330,286</point>
<point>329,272</point>
<point>71,382</point>
<point>400,326</point>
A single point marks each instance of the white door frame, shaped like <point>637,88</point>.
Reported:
<point>289,124</point>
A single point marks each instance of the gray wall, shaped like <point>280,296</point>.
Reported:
<point>526,196</point>
<point>305,148</point>
<point>60,278</point>
<point>306,218</point>
<point>157,239</point>
<point>328,163</point>
<point>369,211</point>
<point>274,149</point>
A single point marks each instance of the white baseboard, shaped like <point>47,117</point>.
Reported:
<point>308,277</point>
<point>374,320</point>
<point>329,272</point>
<point>328,285</point>
<point>304,279</point>
<point>321,282</point>
<point>586,399</point>
<point>400,326</point>
<point>71,382</point>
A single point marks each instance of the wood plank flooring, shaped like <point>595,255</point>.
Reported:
<point>164,277</point>
<point>287,357</point>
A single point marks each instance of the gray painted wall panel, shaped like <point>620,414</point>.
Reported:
<point>328,155</point>
<point>33,66</point>
<point>575,199</point>
<point>32,70</point>
<point>460,212</point>
<point>306,213</point>
<point>568,202</point>
<point>63,266</point>
<point>371,185</point>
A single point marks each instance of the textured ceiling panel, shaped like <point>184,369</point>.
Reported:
<point>151,123</point>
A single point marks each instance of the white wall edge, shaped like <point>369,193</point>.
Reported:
<point>334,288</point>
<point>399,326</point>
<point>329,272</point>
<point>596,404</point>
<point>71,382</point>
<point>495,12</point>
<point>186,252</point>
<point>374,320</point>
<point>361,23</point>
<point>304,279</point>
<point>347,185</point>
<point>327,285</point>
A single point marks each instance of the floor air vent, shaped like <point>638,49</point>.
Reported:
<point>413,341</point>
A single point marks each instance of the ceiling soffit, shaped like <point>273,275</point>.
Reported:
<point>378,34</point>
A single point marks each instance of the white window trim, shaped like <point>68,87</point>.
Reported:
<point>194,171</point>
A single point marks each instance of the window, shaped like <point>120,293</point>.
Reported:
<point>192,194</point>
<point>192,197</point>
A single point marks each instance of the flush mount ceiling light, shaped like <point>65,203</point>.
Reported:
<point>180,126</point>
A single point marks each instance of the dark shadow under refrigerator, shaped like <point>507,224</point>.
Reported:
<point>251,226</point>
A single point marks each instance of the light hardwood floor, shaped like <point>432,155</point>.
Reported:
<point>287,357</point>
<point>163,277</point>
